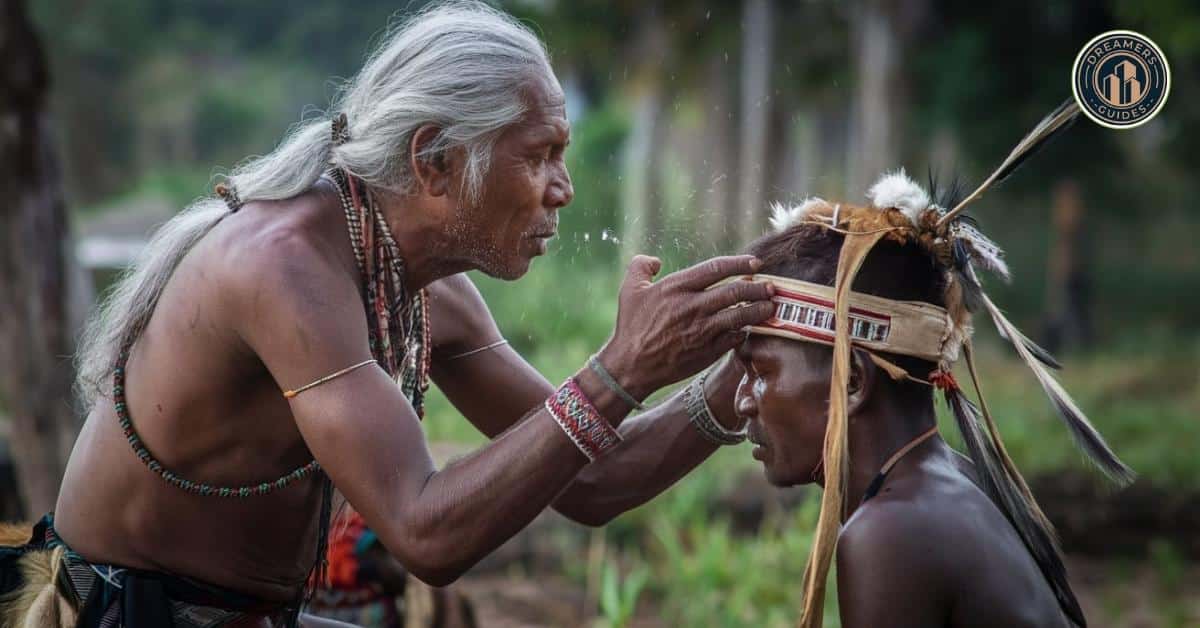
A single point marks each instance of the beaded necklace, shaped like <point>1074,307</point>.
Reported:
<point>398,325</point>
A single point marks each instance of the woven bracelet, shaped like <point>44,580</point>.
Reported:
<point>701,415</point>
<point>612,383</point>
<point>583,424</point>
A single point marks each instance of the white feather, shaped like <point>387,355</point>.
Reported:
<point>895,189</point>
<point>784,217</point>
<point>984,252</point>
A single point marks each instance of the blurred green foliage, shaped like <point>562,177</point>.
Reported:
<point>619,596</point>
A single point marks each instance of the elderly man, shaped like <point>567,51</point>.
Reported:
<point>249,362</point>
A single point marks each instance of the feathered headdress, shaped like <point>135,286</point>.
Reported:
<point>902,211</point>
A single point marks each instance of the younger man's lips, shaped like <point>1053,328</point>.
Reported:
<point>752,434</point>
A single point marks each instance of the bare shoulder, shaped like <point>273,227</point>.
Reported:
<point>906,530</point>
<point>932,542</point>
<point>932,516</point>
<point>901,554</point>
<point>286,250</point>
<point>892,568</point>
<point>290,291</point>
<point>459,317</point>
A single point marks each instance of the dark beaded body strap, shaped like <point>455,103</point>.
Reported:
<point>174,479</point>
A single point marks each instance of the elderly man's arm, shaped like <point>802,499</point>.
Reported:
<point>496,387</point>
<point>302,316</point>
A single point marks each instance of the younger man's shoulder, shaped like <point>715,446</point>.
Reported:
<point>932,518</point>
<point>902,556</point>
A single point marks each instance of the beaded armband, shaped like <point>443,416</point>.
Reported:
<point>702,417</point>
<point>584,425</point>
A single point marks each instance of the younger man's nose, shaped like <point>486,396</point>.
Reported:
<point>743,402</point>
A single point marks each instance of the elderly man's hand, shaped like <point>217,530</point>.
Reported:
<point>671,329</point>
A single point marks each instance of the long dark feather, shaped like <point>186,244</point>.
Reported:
<point>1051,126</point>
<point>964,273</point>
<point>1024,515</point>
<point>1082,430</point>
<point>973,297</point>
<point>1042,355</point>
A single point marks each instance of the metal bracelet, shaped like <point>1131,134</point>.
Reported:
<point>612,383</point>
<point>702,417</point>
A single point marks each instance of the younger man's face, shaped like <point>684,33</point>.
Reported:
<point>785,397</point>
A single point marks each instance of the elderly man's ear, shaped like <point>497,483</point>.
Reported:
<point>434,171</point>
<point>862,381</point>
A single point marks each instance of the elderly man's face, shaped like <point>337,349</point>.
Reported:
<point>525,186</point>
<point>784,396</point>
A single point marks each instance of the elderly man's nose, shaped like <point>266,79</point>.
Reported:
<point>560,191</point>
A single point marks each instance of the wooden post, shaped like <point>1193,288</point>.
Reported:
<point>35,336</point>
<point>642,197</point>
<point>754,114</point>
<point>722,218</point>
<point>1067,321</point>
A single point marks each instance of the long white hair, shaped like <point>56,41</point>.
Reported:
<point>459,65</point>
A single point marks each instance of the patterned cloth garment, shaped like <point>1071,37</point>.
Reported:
<point>353,593</point>
<point>90,595</point>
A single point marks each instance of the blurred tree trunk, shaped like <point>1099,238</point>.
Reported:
<point>794,157</point>
<point>877,107</point>
<point>879,36</point>
<point>1067,321</point>
<point>755,119</point>
<point>721,211</point>
<point>642,189</point>
<point>35,333</point>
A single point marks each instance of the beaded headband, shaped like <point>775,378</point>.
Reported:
<point>805,311</point>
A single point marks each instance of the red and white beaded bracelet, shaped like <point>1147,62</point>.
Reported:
<point>584,425</point>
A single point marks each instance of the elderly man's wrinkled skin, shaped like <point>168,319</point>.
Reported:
<point>271,300</point>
